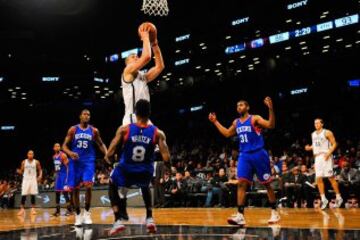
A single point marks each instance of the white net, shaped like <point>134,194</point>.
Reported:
<point>155,7</point>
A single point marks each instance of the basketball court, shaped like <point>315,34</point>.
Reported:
<point>189,223</point>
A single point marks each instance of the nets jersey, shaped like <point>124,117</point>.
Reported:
<point>138,149</point>
<point>134,91</point>
<point>250,137</point>
<point>320,143</point>
<point>30,170</point>
<point>83,143</point>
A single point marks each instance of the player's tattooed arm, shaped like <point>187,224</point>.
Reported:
<point>155,71</point>
<point>226,132</point>
<point>65,147</point>
<point>119,136</point>
<point>64,159</point>
<point>259,121</point>
<point>39,170</point>
<point>100,142</point>
<point>164,149</point>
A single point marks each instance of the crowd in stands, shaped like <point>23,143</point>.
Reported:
<point>203,174</point>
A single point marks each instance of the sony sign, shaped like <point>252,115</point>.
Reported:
<point>240,21</point>
<point>297,4</point>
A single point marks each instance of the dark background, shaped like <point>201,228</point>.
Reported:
<point>71,39</point>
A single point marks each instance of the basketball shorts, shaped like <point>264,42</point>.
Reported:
<point>122,177</point>
<point>257,162</point>
<point>83,172</point>
<point>324,168</point>
<point>29,187</point>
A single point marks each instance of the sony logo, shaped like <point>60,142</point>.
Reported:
<point>297,4</point>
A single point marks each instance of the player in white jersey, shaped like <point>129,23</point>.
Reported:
<point>134,82</point>
<point>32,173</point>
<point>323,146</point>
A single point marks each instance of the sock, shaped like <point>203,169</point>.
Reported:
<point>32,199</point>
<point>323,198</point>
<point>273,205</point>
<point>87,206</point>
<point>241,209</point>
<point>146,194</point>
<point>117,216</point>
<point>77,210</point>
<point>338,196</point>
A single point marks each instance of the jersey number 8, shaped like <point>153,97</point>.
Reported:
<point>138,154</point>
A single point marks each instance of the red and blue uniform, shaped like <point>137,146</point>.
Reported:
<point>253,158</point>
<point>83,144</point>
<point>136,165</point>
<point>61,170</point>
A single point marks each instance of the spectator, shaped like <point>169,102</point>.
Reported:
<point>293,182</point>
<point>309,186</point>
<point>159,190</point>
<point>349,181</point>
<point>178,190</point>
<point>218,188</point>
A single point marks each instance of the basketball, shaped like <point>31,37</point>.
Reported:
<point>152,30</point>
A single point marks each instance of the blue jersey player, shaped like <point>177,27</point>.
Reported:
<point>79,145</point>
<point>253,158</point>
<point>136,166</point>
<point>61,165</point>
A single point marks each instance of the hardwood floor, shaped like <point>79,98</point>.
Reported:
<point>255,217</point>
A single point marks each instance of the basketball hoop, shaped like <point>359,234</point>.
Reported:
<point>155,7</point>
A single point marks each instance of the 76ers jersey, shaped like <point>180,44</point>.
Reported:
<point>83,143</point>
<point>138,149</point>
<point>250,138</point>
<point>58,163</point>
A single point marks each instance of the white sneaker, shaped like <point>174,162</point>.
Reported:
<point>150,225</point>
<point>275,217</point>
<point>237,219</point>
<point>339,202</point>
<point>324,204</point>
<point>87,217</point>
<point>78,220</point>
<point>117,227</point>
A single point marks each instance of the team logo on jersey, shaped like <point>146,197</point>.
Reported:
<point>266,176</point>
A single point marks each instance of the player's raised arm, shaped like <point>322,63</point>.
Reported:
<point>69,137</point>
<point>132,68</point>
<point>99,141</point>
<point>259,121</point>
<point>227,132</point>
<point>155,71</point>
<point>120,134</point>
<point>164,149</point>
<point>330,136</point>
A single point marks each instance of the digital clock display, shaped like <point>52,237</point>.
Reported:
<point>301,32</point>
<point>340,22</point>
<point>234,49</point>
<point>324,26</point>
<point>279,37</point>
